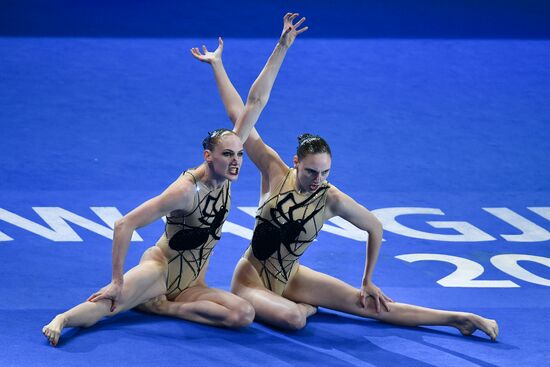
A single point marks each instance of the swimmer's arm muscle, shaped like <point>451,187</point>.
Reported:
<point>177,195</point>
<point>259,92</point>
<point>245,117</point>
<point>232,101</point>
<point>262,155</point>
<point>344,206</point>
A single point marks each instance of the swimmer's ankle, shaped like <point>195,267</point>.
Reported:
<point>61,320</point>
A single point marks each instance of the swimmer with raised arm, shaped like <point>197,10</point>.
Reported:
<point>294,204</point>
<point>170,277</point>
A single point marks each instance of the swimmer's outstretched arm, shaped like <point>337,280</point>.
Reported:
<point>232,101</point>
<point>177,195</point>
<point>261,88</point>
<point>340,204</point>
<point>261,154</point>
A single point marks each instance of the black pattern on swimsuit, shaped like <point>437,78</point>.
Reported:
<point>202,237</point>
<point>282,230</point>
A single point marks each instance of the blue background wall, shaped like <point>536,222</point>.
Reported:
<point>251,19</point>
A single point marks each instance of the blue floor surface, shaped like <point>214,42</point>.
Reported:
<point>447,141</point>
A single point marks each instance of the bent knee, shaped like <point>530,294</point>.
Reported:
<point>241,316</point>
<point>292,319</point>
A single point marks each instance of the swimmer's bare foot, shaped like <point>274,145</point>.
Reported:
<point>52,331</point>
<point>469,322</point>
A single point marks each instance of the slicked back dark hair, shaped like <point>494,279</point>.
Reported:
<point>311,144</point>
<point>214,137</point>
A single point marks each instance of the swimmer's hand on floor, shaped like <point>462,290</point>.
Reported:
<point>290,31</point>
<point>208,56</point>
<point>369,289</point>
<point>112,293</point>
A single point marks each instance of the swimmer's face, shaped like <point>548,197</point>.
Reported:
<point>227,157</point>
<point>312,170</point>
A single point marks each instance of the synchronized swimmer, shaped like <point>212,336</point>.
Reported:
<point>269,284</point>
<point>294,204</point>
<point>196,206</point>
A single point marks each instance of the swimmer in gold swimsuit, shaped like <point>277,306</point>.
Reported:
<point>170,278</point>
<point>294,204</point>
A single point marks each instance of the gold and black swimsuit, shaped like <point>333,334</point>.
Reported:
<point>191,237</point>
<point>286,224</point>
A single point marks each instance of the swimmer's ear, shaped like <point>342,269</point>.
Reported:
<point>208,155</point>
<point>296,161</point>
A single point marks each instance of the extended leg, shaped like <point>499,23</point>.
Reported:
<point>322,290</point>
<point>141,283</point>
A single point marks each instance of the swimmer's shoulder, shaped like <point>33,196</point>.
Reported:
<point>182,191</point>
<point>334,198</point>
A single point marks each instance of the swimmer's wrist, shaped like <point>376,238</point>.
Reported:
<point>216,62</point>
<point>282,44</point>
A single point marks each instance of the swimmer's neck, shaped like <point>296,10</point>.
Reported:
<point>297,186</point>
<point>208,177</point>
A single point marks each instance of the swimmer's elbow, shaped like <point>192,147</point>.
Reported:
<point>257,101</point>
<point>123,224</point>
<point>375,228</point>
<point>119,225</point>
<point>379,225</point>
